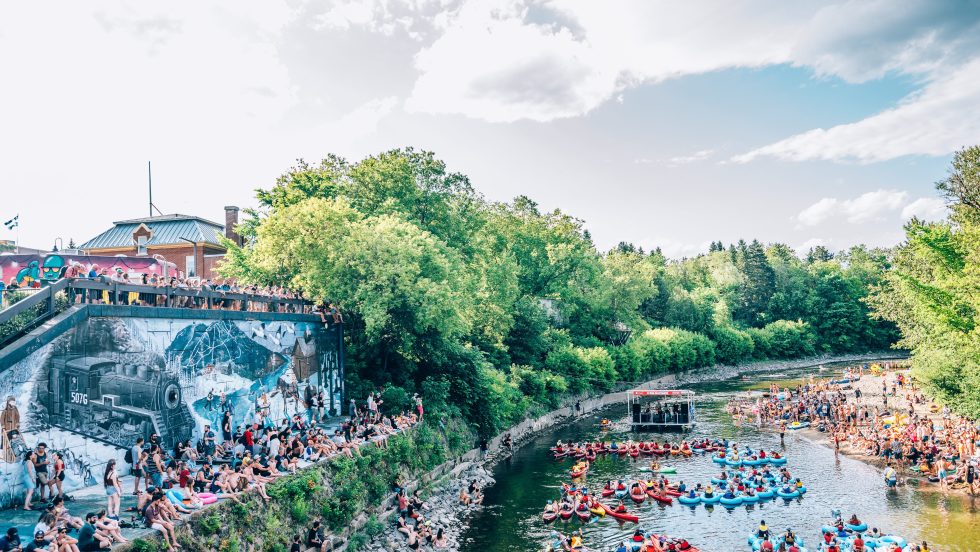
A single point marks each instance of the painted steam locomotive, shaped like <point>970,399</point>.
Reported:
<point>116,403</point>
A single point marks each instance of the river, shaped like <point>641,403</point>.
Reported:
<point>511,520</point>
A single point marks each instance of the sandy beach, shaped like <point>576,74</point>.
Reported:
<point>871,397</point>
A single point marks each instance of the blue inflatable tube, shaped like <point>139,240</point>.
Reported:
<point>750,499</point>
<point>777,461</point>
<point>718,459</point>
<point>731,502</point>
<point>766,494</point>
<point>718,481</point>
<point>685,499</point>
<point>893,538</point>
<point>710,499</point>
<point>751,462</point>
<point>733,463</point>
<point>857,528</point>
<point>791,494</point>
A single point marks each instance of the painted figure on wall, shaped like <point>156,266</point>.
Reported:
<point>10,423</point>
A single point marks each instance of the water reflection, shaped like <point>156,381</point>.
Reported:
<point>511,521</point>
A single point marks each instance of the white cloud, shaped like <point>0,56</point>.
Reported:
<point>926,208</point>
<point>818,212</point>
<point>940,119</point>
<point>693,158</point>
<point>363,120</point>
<point>678,160</point>
<point>867,207</point>
<point>810,244</point>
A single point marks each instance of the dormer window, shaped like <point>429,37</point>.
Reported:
<point>141,237</point>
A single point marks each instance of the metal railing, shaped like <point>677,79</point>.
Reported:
<point>84,291</point>
<point>43,296</point>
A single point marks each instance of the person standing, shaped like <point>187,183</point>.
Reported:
<point>29,478</point>
<point>136,460</point>
<point>113,490</point>
<point>41,469</point>
<point>58,474</point>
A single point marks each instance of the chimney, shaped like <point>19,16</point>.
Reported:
<point>231,220</point>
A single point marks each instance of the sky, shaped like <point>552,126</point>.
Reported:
<point>666,124</point>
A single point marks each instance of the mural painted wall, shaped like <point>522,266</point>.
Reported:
<point>26,269</point>
<point>93,390</point>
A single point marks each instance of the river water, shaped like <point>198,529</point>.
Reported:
<point>511,520</point>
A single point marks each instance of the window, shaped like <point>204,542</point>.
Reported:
<point>141,245</point>
<point>191,265</point>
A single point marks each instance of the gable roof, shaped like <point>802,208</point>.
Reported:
<point>167,230</point>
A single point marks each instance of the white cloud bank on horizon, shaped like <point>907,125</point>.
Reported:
<point>510,60</point>
<point>871,207</point>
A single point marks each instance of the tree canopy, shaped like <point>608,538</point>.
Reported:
<point>512,306</point>
<point>933,291</point>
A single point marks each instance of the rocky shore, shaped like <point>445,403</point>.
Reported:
<point>443,509</point>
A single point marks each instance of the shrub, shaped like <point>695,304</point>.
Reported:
<point>144,545</point>
<point>210,524</point>
<point>373,527</point>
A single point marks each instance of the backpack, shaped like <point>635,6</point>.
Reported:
<point>129,456</point>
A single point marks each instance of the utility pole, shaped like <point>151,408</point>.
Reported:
<point>149,177</point>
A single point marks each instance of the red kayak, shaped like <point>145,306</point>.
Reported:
<point>659,451</point>
<point>660,498</point>
<point>670,492</point>
<point>606,493</point>
<point>618,515</point>
<point>583,514</point>
<point>634,453</point>
<point>638,497</point>
<point>548,517</point>
<point>565,514</point>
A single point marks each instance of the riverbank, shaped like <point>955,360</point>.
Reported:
<point>873,396</point>
<point>444,499</point>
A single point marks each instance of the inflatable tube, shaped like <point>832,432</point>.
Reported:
<point>893,538</point>
<point>753,462</point>
<point>717,481</point>
<point>685,499</point>
<point>622,517</point>
<point>787,495</point>
<point>857,528</point>
<point>733,463</point>
<point>778,461</point>
<point>731,502</point>
<point>828,529</point>
<point>798,425</point>
<point>207,498</point>
<point>718,459</point>
<point>766,494</point>
<point>750,499</point>
<point>710,499</point>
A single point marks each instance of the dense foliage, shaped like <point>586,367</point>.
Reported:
<point>933,291</point>
<point>508,307</point>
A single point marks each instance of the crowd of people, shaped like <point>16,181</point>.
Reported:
<point>221,286</point>
<point>898,426</point>
<point>171,482</point>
